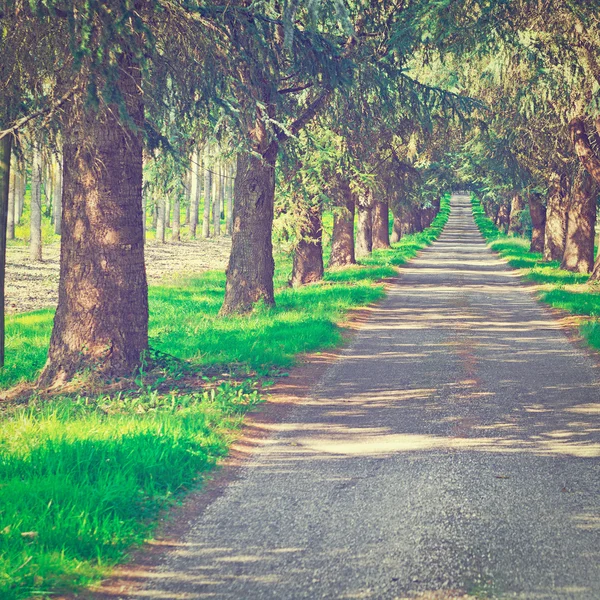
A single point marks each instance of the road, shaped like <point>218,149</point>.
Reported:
<point>452,452</point>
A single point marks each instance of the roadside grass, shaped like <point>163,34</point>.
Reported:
<point>561,289</point>
<point>83,479</point>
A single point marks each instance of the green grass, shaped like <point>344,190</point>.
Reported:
<point>561,289</point>
<point>82,480</point>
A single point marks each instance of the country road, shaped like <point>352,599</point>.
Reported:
<point>451,452</point>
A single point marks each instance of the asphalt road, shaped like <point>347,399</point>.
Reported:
<point>452,452</point>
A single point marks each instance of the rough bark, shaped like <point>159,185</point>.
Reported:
<point>409,220</point>
<point>5,158</point>
<point>195,192</point>
<point>381,225</point>
<point>537,210</point>
<point>176,230</point>
<point>35,215</point>
<point>308,254</point>
<point>579,241</point>
<point>208,184</point>
<point>583,148</point>
<point>517,206</point>
<point>364,226</point>
<point>556,218</point>
<point>251,266</point>
<point>12,199</point>
<point>230,177</point>
<point>57,197</point>
<point>426,217</point>
<point>396,227</point>
<point>503,217</point>
<point>102,317</point>
<point>342,237</point>
<point>217,200</point>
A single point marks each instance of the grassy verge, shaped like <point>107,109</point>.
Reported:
<point>562,289</point>
<point>82,479</point>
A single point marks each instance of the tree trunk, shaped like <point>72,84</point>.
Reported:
<point>57,196</point>
<point>229,225</point>
<point>22,176</point>
<point>364,230</point>
<point>35,216</point>
<point>342,237</point>
<point>579,242</point>
<point>5,157</point>
<point>12,199</point>
<point>102,317</point>
<point>538,222</point>
<point>396,225</point>
<point>161,211</point>
<point>208,181</point>
<point>556,218</point>
<point>176,231</point>
<point>167,202</point>
<point>517,206</point>
<point>409,220</point>
<point>251,266</point>
<point>217,200</point>
<point>308,255</point>
<point>381,225</point>
<point>195,192</point>
<point>503,217</point>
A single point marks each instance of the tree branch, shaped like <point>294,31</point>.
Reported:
<point>583,148</point>
<point>306,116</point>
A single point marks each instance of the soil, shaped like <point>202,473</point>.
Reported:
<point>33,285</point>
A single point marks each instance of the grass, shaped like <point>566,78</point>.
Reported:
<point>83,479</point>
<point>561,289</point>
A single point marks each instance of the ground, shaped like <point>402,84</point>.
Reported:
<point>32,285</point>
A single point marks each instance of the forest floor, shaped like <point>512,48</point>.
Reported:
<point>34,285</point>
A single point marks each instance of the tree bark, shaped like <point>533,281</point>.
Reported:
<point>195,192</point>
<point>364,229</point>
<point>396,226</point>
<point>503,217</point>
<point>538,222</point>
<point>207,192</point>
<point>217,200</point>
<point>57,196</point>
<point>409,220</point>
<point>583,148</point>
<point>12,199</point>
<point>308,255</point>
<point>176,231</point>
<point>517,206</point>
<point>167,203</point>
<point>102,317</point>
<point>35,216</point>
<point>251,265</point>
<point>381,225</point>
<point>5,158</point>
<point>229,225</point>
<point>579,242</point>
<point>342,237</point>
<point>161,211</point>
<point>556,218</point>
<point>21,188</point>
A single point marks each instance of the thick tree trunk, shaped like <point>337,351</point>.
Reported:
<point>35,215</point>
<point>342,237</point>
<point>517,206</point>
<point>396,226</point>
<point>57,196</point>
<point>161,211</point>
<point>208,181</point>
<point>195,192</point>
<point>5,157</point>
<point>176,231</point>
<point>579,241</point>
<point>364,226</point>
<point>537,210</point>
<point>381,225</point>
<point>503,217</point>
<point>251,266</point>
<point>308,255</point>
<point>556,218</point>
<point>426,217</point>
<point>12,200</point>
<point>217,200</point>
<point>102,317</point>
<point>409,220</point>
<point>229,225</point>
